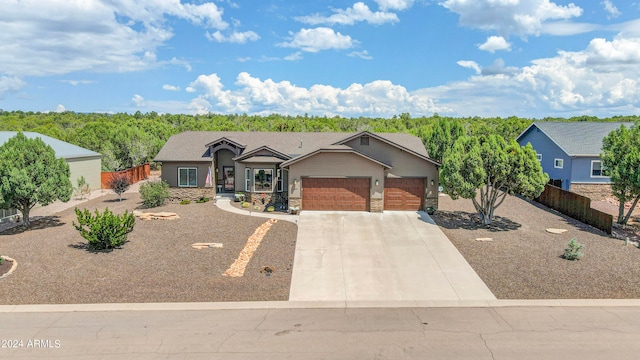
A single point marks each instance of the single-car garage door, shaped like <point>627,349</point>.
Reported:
<point>403,193</point>
<point>335,194</point>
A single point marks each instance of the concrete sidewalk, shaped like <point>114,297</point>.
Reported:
<point>390,256</point>
<point>224,203</point>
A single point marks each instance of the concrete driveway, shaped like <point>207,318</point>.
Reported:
<point>396,255</point>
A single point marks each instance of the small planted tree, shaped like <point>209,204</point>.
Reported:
<point>119,184</point>
<point>154,193</point>
<point>83,187</point>
<point>104,231</point>
<point>572,251</point>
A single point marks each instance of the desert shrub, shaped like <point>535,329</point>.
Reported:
<point>271,209</point>
<point>572,251</point>
<point>104,231</point>
<point>185,202</point>
<point>83,188</point>
<point>244,204</point>
<point>202,200</point>
<point>1,260</point>
<point>154,193</point>
<point>119,184</point>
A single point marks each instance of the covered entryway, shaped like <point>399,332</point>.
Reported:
<point>346,194</point>
<point>403,193</point>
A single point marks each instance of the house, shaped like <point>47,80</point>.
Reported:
<point>82,162</point>
<point>570,153</point>
<point>310,171</point>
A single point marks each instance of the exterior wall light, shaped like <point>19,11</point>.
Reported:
<point>432,182</point>
<point>377,182</point>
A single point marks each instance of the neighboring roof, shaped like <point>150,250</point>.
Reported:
<point>61,148</point>
<point>576,138</point>
<point>333,149</point>
<point>191,145</point>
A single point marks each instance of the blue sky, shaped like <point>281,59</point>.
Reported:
<point>375,58</point>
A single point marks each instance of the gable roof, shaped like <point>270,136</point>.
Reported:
<point>62,149</point>
<point>576,138</point>
<point>406,142</point>
<point>334,149</point>
<point>191,145</point>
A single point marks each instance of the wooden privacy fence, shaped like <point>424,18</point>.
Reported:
<point>134,174</point>
<point>575,206</point>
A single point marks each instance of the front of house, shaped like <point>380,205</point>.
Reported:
<point>570,153</point>
<point>310,171</point>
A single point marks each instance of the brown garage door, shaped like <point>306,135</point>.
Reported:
<point>335,194</point>
<point>403,193</point>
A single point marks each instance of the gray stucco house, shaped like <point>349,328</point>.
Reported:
<point>81,161</point>
<point>311,171</point>
<point>570,153</point>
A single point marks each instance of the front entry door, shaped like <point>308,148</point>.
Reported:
<point>227,172</point>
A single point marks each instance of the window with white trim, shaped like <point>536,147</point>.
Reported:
<point>263,180</point>
<point>187,177</point>
<point>558,163</point>
<point>539,157</point>
<point>247,179</point>
<point>597,170</point>
<point>279,180</point>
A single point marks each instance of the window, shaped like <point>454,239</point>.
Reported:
<point>263,180</point>
<point>539,157</point>
<point>597,170</point>
<point>187,177</point>
<point>247,179</point>
<point>364,141</point>
<point>279,180</point>
<point>558,163</point>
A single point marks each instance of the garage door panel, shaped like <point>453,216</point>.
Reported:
<point>403,193</point>
<point>335,194</point>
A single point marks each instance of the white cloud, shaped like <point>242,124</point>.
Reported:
<point>495,43</point>
<point>60,108</point>
<point>294,57</point>
<point>78,82</point>
<point>235,37</point>
<point>170,87</point>
<point>364,54</point>
<point>10,84</point>
<point>62,36</point>
<point>510,16</point>
<point>359,12</point>
<point>377,98</point>
<point>244,59</point>
<point>137,100</point>
<point>611,9</point>
<point>322,38</point>
<point>394,4</point>
<point>469,64</point>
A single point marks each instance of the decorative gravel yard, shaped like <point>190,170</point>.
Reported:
<point>157,264</point>
<point>523,260</point>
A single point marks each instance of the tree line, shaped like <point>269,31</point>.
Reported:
<point>127,140</point>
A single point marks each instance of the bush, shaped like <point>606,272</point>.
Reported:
<point>185,202</point>
<point>154,193</point>
<point>83,187</point>
<point>202,200</point>
<point>271,209</point>
<point>572,252</point>
<point>245,205</point>
<point>119,184</point>
<point>104,231</point>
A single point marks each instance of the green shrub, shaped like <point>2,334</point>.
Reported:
<point>244,204</point>
<point>154,193</point>
<point>572,252</point>
<point>83,187</point>
<point>1,260</point>
<point>202,200</point>
<point>119,184</point>
<point>185,202</point>
<point>271,209</point>
<point>104,231</point>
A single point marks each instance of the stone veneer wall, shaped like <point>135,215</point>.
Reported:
<point>594,192</point>
<point>295,202</point>
<point>193,194</point>
<point>431,202</point>
<point>273,198</point>
<point>377,205</point>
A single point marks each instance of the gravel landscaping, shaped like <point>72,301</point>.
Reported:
<point>157,264</point>
<point>524,261</point>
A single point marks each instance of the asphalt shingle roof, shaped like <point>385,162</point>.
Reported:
<point>578,138</point>
<point>190,145</point>
<point>61,148</point>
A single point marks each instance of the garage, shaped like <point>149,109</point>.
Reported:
<point>403,193</point>
<point>342,194</point>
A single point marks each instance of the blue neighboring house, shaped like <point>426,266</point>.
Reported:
<point>570,151</point>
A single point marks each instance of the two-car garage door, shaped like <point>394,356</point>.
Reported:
<point>353,193</point>
<point>336,194</point>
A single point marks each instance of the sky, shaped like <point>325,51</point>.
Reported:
<point>371,58</point>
